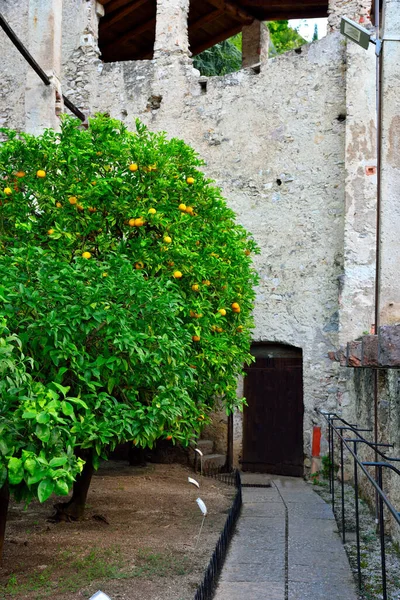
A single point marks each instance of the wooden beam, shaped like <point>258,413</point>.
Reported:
<point>208,18</point>
<point>234,11</point>
<point>121,14</point>
<point>128,35</point>
<point>114,4</point>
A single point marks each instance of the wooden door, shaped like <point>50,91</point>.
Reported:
<point>273,419</point>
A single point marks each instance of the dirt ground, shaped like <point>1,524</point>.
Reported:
<point>137,540</point>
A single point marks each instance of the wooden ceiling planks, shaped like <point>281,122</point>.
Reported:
<point>127,31</point>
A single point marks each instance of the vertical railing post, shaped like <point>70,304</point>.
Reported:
<point>329,454</point>
<point>357,516</point>
<point>342,486</point>
<point>333,467</point>
<point>382,535</point>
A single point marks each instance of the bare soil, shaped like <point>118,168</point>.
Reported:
<point>137,540</point>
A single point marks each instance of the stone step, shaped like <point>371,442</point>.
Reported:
<point>206,446</point>
<point>212,462</point>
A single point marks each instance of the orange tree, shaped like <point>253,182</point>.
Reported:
<point>128,282</point>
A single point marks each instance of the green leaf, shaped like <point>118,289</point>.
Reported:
<point>43,418</point>
<point>37,475</point>
<point>61,488</point>
<point>110,385</point>
<point>58,461</point>
<point>15,471</point>
<point>3,447</point>
<point>43,432</point>
<point>28,414</point>
<point>63,390</point>
<point>45,489</point>
<point>67,408</point>
<point>30,465</point>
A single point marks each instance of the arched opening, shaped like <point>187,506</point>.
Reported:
<point>273,419</point>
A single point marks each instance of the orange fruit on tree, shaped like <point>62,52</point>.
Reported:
<point>189,210</point>
<point>167,239</point>
<point>219,329</point>
<point>139,222</point>
<point>40,173</point>
<point>222,311</point>
<point>195,287</point>
<point>235,306</point>
<point>58,204</point>
<point>20,174</point>
<point>91,209</point>
<point>196,338</point>
<point>139,265</point>
<point>104,274</point>
<point>240,328</point>
<point>152,211</point>
<point>169,437</point>
<point>86,255</point>
<point>8,191</point>
<point>73,200</point>
<point>177,275</point>
<point>192,313</point>
<point>182,207</point>
<point>190,180</point>
<point>80,207</point>
<point>206,282</point>
<point>133,167</point>
<point>50,231</point>
<point>131,222</point>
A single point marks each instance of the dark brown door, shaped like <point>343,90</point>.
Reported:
<point>273,419</point>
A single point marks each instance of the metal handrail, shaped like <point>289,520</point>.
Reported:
<point>377,482</point>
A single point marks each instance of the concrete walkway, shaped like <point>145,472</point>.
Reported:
<point>286,547</point>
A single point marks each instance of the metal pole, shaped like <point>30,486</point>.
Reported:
<point>329,454</point>
<point>357,517</point>
<point>333,471</point>
<point>382,536</point>
<point>342,485</point>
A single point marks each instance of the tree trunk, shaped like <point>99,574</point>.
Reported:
<point>4,500</point>
<point>74,509</point>
<point>137,457</point>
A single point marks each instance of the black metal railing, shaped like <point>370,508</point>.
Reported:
<point>206,588</point>
<point>336,427</point>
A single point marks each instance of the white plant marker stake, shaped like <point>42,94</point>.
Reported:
<point>203,509</point>
<point>100,596</point>
<point>193,482</point>
<point>199,452</point>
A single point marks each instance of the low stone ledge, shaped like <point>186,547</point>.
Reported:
<point>369,351</point>
<point>389,346</point>
<point>354,354</point>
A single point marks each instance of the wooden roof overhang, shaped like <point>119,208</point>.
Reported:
<point>127,30</point>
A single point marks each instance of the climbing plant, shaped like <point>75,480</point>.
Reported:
<point>127,281</point>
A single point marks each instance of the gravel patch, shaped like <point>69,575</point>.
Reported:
<point>370,549</point>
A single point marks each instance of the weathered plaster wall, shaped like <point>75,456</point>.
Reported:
<point>13,67</point>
